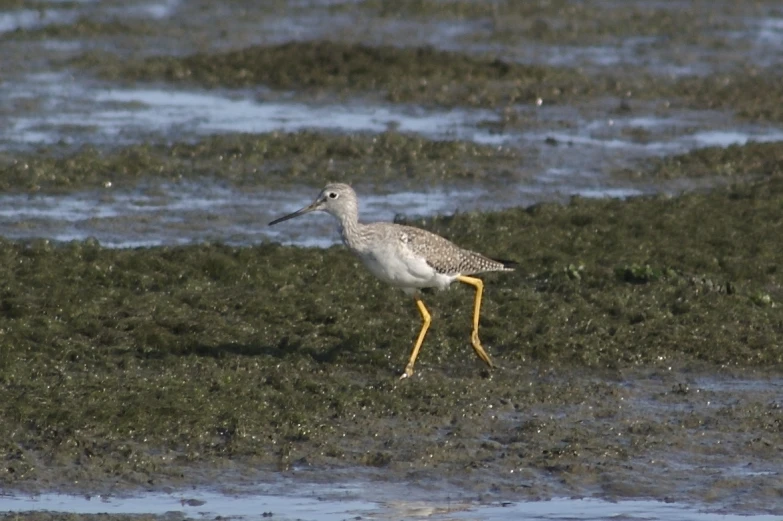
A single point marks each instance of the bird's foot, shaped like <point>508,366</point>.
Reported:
<point>479,349</point>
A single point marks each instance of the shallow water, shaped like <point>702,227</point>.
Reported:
<point>13,20</point>
<point>359,501</point>
<point>71,111</point>
<point>571,161</point>
<point>28,18</point>
<point>78,112</point>
<point>566,150</point>
<point>185,213</point>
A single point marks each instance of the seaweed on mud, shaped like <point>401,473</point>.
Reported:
<point>134,364</point>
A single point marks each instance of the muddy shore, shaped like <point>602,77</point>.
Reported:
<point>618,340</point>
<point>638,344</point>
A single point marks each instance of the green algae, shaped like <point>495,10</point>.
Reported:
<point>421,74</point>
<point>564,22</point>
<point>307,157</point>
<point>275,158</point>
<point>460,76</point>
<point>427,76</point>
<point>749,161</point>
<point>750,93</point>
<point>126,365</point>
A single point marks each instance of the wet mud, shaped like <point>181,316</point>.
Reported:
<point>638,344</point>
<point>268,160</point>
<point>276,160</point>
<point>618,341</point>
<point>428,76</point>
<point>735,162</point>
<point>694,58</point>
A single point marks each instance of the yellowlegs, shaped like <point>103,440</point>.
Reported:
<point>406,257</point>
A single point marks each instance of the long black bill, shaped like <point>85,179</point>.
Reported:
<point>306,209</point>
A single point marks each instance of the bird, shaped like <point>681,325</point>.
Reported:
<point>406,257</point>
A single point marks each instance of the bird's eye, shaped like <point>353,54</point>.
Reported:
<point>332,195</point>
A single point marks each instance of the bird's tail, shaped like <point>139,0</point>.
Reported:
<point>508,265</point>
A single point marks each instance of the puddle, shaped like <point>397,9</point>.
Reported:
<point>725,138</point>
<point>30,19</point>
<point>739,385</point>
<point>564,162</point>
<point>623,54</point>
<point>716,138</point>
<point>196,504</point>
<point>23,19</point>
<point>769,39</point>
<point>76,113</point>
<point>327,503</point>
<point>153,10</point>
<point>653,135</point>
<point>49,108</point>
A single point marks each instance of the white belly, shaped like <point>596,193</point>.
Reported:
<point>403,271</point>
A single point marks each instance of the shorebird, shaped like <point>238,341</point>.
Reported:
<point>406,257</point>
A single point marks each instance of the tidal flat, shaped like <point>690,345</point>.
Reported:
<point>626,154</point>
<point>618,340</point>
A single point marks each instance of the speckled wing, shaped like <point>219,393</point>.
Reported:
<point>446,257</point>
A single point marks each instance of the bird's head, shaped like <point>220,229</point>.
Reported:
<point>337,199</point>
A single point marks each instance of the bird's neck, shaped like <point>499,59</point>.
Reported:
<point>350,228</point>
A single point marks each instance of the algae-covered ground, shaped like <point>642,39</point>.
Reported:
<point>638,343</point>
<point>717,55</point>
<point>310,158</point>
<point>428,76</point>
<point>271,159</point>
<point>136,367</point>
<point>738,162</point>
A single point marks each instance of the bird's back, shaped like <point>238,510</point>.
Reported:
<point>442,255</point>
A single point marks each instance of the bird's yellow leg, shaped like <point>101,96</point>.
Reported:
<point>474,338</point>
<point>425,325</point>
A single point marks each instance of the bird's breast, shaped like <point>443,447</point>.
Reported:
<point>401,269</point>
